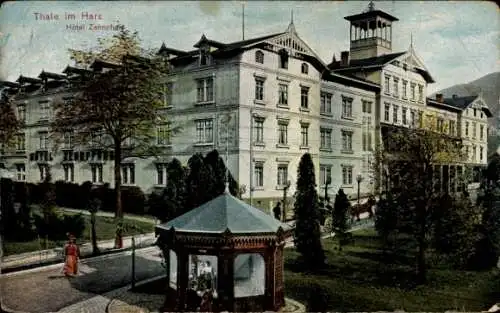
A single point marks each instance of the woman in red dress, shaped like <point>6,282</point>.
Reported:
<point>72,254</point>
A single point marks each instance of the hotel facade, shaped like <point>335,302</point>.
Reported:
<point>267,100</point>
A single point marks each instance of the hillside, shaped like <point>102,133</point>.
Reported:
<point>489,85</point>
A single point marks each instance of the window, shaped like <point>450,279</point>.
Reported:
<point>412,90</point>
<point>282,175</point>
<point>481,132</point>
<point>405,84</point>
<point>283,59</point>
<point>249,275</point>
<point>395,87</point>
<point>466,129</point>
<point>128,174</point>
<point>367,106</point>
<point>346,175</point>
<point>452,128</point>
<point>474,156</point>
<point>21,172</point>
<point>96,173</point>
<point>167,94</point>
<point>394,113</point>
<point>68,140</point>
<point>473,130</point>
<point>420,93</point>
<point>282,133</point>
<point>403,115</point>
<point>420,119</point>
<point>346,107</point>
<point>44,170</point>
<point>326,103</point>
<point>204,131</point>
<point>69,172</point>
<point>481,151</point>
<point>304,135</point>
<point>440,125</point>
<point>259,57</point>
<point>259,130</point>
<point>325,139</point>
<point>259,174</point>
<point>386,112</point>
<point>346,140</point>
<point>205,90</point>
<point>163,135</point>
<point>44,140</point>
<point>387,85</point>
<point>21,112</point>
<point>161,174</point>
<point>44,110</point>
<point>20,142</point>
<point>283,94</point>
<point>325,172</point>
<point>259,89</point>
<point>413,121</point>
<point>204,56</point>
<point>304,97</point>
<point>475,112</point>
<point>304,68</point>
<point>467,155</point>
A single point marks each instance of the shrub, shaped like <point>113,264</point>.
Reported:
<point>56,226</point>
<point>133,200</point>
<point>318,299</point>
<point>68,195</point>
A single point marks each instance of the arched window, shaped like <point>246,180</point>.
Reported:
<point>173,269</point>
<point>259,57</point>
<point>283,58</point>
<point>249,275</point>
<point>305,68</point>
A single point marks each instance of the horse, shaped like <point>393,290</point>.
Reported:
<point>357,209</point>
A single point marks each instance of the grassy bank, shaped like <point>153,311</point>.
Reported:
<point>105,228</point>
<point>361,278</point>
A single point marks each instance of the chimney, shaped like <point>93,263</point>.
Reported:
<point>344,58</point>
<point>439,97</point>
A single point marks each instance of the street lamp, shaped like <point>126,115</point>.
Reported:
<point>359,179</point>
<point>285,189</point>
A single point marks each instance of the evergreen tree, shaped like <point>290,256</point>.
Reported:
<point>216,163</point>
<point>174,194</point>
<point>198,180</point>
<point>307,233</point>
<point>339,217</point>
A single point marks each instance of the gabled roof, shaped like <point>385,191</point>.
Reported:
<point>50,75</point>
<point>463,103</point>
<point>222,214</point>
<point>30,80</point>
<point>75,70</point>
<point>374,62</point>
<point>103,64</point>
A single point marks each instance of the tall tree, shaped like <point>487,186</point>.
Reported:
<point>118,108</point>
<point>215,161</point>
<point>307,233</point>
<point>339,217</point>
<point>9,124</point>
<point>407,159</point>
<point>198,180</point>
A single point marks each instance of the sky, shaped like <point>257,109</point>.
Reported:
<point>457,40</point>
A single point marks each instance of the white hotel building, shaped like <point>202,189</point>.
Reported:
<point>283,101</point>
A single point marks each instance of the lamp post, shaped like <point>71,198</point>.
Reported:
<point>359,179</point>
<point>285,189</point>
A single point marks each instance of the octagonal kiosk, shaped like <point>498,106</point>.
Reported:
<point>224,255</point>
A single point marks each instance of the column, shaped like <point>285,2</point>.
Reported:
<point>390,32</point>
<point>225,264</point>
<point>350,39</point>
<point>271,303</point>
<point>182,277</point>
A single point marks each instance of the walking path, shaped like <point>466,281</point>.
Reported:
<point>52,255</point>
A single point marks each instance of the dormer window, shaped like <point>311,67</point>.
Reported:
<point>283,54</point>
<point>204,56</point>
<point>259,57</point>
<point>305,68</point>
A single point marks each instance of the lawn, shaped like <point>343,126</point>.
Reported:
<point>360,279</point>
<point>105,228</point>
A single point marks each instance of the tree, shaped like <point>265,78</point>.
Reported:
<point>200,177</point>
<point>307,233</point>
<point>215,161</point>
<point>117,109</point>
<point>9,124</point>
<point>339,217</point>
<point>407,159</point>
<point>48,204</point>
